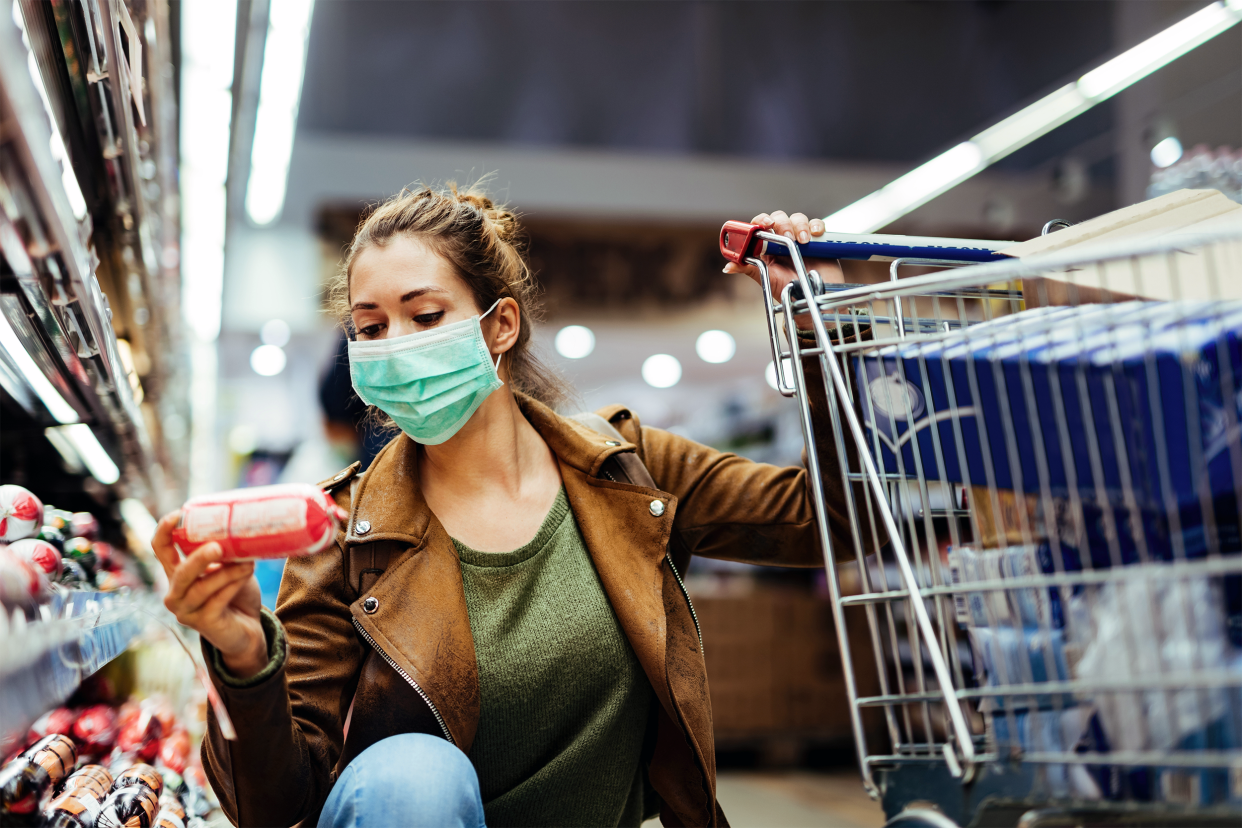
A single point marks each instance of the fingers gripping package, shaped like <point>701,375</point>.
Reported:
<point>287,520</point>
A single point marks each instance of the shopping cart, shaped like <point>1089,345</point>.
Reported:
<point>1052,471</point>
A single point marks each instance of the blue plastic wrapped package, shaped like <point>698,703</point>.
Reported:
<point>1040,404</point>
<point>1047,731</point>
<point>1038,607</point>
<point>908,388</point>
<point>1008,656</point>
<point>1196,787</point>
<point>1153,627</point>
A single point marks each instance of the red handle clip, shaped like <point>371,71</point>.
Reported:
<point>736,238</point>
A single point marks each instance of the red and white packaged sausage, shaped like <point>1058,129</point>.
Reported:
<point>21,513</point>
<point>287,520</point>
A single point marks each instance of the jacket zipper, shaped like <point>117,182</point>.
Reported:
<point>694,615</point>
<point>409,679</point>
<point>686,593</point>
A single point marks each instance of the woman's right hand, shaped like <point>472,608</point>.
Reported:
<point>780,273</point>
<point>220,601</point>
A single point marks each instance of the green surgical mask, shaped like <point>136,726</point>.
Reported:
<point>429,382</point>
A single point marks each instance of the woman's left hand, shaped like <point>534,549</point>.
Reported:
<point>780,273</point>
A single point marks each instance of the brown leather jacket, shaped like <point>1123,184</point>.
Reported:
<point>395,644</point>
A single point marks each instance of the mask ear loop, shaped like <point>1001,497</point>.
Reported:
<point>495,367</point>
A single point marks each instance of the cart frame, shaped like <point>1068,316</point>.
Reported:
<point>891,500</point>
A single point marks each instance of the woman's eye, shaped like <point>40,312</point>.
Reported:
<point>427,319</point>
<point>370,331</point>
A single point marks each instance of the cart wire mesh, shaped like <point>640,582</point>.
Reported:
<point>1054,468</point>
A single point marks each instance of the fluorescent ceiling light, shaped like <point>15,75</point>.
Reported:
<point>93,455</point>
<point>62,411</point>
<point>912,190</point>
<point>207,34</point>
<point>280,87</point>
<point>73,463</point>
<point>1137,63</point>
<point>951,168</point>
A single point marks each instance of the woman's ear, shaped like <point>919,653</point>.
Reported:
<point>506,325</point>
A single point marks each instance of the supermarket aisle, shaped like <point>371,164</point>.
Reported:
<point>794,799</point>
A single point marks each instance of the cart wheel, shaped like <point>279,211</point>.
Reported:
<point>921,818</point>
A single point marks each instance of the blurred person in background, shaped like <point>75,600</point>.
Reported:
<point>348,433</point>
<point>501,634</point>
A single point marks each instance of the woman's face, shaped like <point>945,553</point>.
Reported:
<point>403,287</point>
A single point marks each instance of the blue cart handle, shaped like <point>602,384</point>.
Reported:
<point>738,243</point>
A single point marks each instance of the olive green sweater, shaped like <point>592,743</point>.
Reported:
<point>564,699</point>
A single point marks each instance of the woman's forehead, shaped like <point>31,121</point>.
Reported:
<point>402,265</point>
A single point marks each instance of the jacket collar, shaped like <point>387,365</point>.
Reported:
<point>389,504</point>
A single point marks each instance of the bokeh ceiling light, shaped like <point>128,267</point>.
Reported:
<point>574,341</point>
<point>715,346</point>
<point>1167,152</point>
<point>275,332</point>
<point>770,374</point>
<point>268,360</point>
<point>662,371</point>
<point>280,88</point>
<point>243,439</point>
<point>968,158</point>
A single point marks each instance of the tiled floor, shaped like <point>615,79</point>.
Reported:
<point>795,799</point>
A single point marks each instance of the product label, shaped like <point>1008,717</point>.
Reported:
<point>141,775</point>
<point>207,523</point>
<point>94,778</point>
<point>273,516</point>
<point>167,819</point>
<point>75,803</point>
<point>960,608</point>
<point>56,754</point>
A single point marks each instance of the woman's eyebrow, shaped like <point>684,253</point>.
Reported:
<point>405,297</point>
<point>417,292</point>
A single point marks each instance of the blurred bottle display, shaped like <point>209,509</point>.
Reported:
<point>1201,169</point>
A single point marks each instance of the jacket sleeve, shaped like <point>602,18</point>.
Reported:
<point>290,724</point>
<point>735,509</point>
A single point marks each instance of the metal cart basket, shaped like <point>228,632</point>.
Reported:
<point>1051,469</point>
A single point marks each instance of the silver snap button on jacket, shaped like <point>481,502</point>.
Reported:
<point>370,605</point>
<point>611,443</point>
<point>362,527</point>
<point>657,507</point>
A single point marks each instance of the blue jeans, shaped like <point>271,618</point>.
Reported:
<point>412,780</point>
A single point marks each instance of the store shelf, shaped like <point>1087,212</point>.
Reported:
<point>43,661</point>
<point>90,318</point>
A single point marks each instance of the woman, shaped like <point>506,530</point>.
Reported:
<point>501,633</point>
